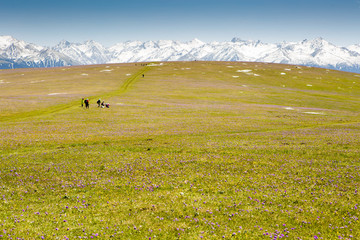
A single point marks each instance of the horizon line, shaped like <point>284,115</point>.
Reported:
<point>182,41</point>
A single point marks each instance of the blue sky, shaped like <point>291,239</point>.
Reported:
<point>46,22</point>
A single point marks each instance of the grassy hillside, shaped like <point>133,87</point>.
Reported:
<point>191,150</point>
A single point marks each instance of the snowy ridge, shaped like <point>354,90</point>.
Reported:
<point>317,52</point>
<point>19,54</point>
<point>89,52</point>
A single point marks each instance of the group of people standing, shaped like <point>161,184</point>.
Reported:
<point>101,104</point>
<point>86,102</point>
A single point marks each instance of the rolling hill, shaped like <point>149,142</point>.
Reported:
<point>187,150</point>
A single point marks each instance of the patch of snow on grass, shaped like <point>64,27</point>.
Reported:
<point>230,66</point>
<point>155,65</point>
<point>37,81</point>
<point>244,71</point>
<point>309,85</point>
<point>235,76</point>
<point>287,69</point>
<point>106,70</point>
<point>282,73</point>
<point>84,74</point>
<point>52,94</point>
<point>128,74</point>
<point>2,82</point>
<point>289,108</point>
<point>315,113</point>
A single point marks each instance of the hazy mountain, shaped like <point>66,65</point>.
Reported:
<point>317,52</point>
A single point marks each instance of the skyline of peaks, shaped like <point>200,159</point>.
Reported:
<point>317,52</point>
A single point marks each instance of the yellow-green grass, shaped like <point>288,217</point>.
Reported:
<point>192,150</point>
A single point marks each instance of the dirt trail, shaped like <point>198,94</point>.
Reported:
<point>75,103</point>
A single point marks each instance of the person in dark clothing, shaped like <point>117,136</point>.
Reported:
<point>87,103</point>
<point>98,102</point>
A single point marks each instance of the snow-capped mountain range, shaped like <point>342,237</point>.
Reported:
<point>317,52</point>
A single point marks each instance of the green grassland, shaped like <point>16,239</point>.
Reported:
<point>193,150</point>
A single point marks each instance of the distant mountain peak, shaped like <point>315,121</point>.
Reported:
<point>237,39</point>
<point>196,42</point>
<point>92,42</point>
<point>240,40</point>
<point>64,43</point>
<point>6,41</point>
<point>8,38</point>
